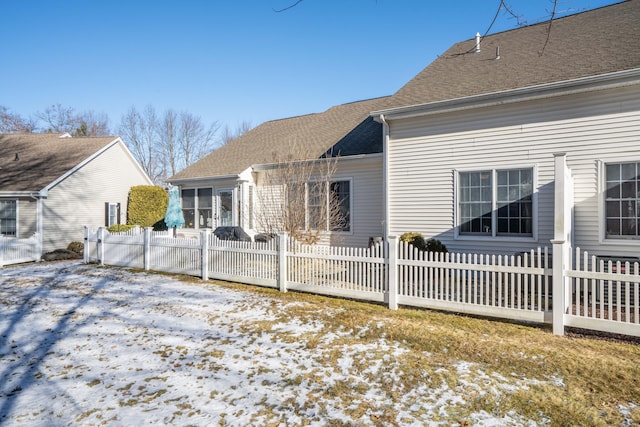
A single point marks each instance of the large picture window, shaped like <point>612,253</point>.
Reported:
<point>496,202</point>
<point>622,199</point>
<point>8,217</point>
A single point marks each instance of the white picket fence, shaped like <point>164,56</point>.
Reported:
<point>604,295</point>
<point>592,295</point>
<point>16,251</point>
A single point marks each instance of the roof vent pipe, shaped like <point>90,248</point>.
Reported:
<point>497,52</point>
<point>477,42</point>
<point>17,158</point>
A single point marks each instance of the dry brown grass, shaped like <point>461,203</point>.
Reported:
<point>571,381</point>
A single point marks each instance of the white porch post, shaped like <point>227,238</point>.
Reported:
<point>100,244</point>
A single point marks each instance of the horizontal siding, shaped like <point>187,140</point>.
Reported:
<point>80,199</point>
<point>425,152</point>
<point>27,217</point>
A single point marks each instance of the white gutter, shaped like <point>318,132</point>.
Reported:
<point>201,179</point>
<point>567,87</point>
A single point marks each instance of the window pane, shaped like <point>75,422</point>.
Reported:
<point>515,201</point>
<point>475,202</point>
<point>188,199</point>
<point>8,217</point>
<point>205,197</point>
<point>340,195</point>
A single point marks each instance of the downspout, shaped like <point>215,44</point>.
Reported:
<point>385,174</point>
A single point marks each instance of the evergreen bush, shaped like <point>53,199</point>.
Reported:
<point>147,205</point>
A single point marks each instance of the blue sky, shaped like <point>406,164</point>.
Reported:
<point>235,60</point>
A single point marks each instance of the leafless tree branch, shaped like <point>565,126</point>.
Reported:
<point>288,7</point>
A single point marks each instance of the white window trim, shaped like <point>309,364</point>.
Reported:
<point>602,196</point>
<point>494,237</point>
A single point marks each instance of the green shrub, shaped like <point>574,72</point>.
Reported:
<point>147,205</point>
<point>77,247</point>
<point>415,239</point>
<point>435,245</point>
<point>118,228</point>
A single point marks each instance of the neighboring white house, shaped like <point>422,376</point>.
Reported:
<point>57,184</point>
<point>470,141</point>
<point>225,187</point>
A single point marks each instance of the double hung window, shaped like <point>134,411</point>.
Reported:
<point>496,202</point>
<point>8,217</point>
<point>622,200</point>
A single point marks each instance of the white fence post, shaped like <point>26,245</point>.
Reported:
<point>147,248</point>
<point>204,247</point>
<point>85,250</point>
<point>562,240</point>
<point>392,275</point>
<point>282,261</point>
<point>100,245</point>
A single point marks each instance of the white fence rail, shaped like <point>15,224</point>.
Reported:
<point>16,251</point>
<point>598,295</point>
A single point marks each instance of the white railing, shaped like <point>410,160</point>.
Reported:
<point>515,287</point>
<point>604,294</point>
<point>16,251</point>
<point>594,295</point>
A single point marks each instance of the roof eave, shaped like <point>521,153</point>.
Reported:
<point>602,81</point>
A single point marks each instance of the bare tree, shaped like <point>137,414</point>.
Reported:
<point>92,124</point>
<point>195,139</point>
<point>14,123</point>
<point>139,131</point>
<point>298,197</point>
<point>229,134</point>
<point>168,132</point>
<point>58,119</point>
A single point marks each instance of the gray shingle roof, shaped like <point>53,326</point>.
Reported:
<point>42,158</point>
<point>586,44</point>
<point>347,128</point>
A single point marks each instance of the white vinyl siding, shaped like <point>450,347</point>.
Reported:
<point>424,153</point>
<point>79,200</point>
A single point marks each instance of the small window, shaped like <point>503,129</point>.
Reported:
<point>189,207</point>
<point>205,205</point>
<point>496,202</point>
<point>112,214</point>
<point>622,200</point>
<point>8,217</point>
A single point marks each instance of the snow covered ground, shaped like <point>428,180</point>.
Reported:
<point>83,345</point>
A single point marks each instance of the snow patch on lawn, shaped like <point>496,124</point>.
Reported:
<point>82,345</point>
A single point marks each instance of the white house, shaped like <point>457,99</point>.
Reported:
<point>465,151</point>
<point>57,184</point>
<point>470,142</point>
<point>224,188</point>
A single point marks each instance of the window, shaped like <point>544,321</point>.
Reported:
<point>205,205</point>
<point>197,207</point>
<point>327,210</point>
<point>8,217</point>
<point>496,202</point>
<point>112,214</point>
<point>622,200</point>
<point>189,207</point>
<point>341,196</point>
